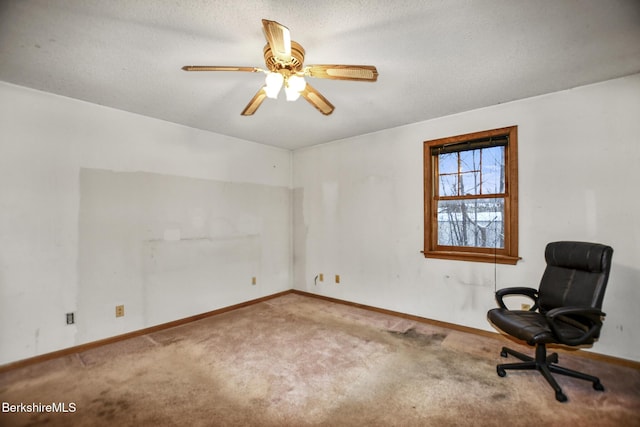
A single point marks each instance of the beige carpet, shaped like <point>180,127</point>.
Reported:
<point>301,361</point>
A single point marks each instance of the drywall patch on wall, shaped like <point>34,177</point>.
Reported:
<point>206,268</point>
<point>169,247</point>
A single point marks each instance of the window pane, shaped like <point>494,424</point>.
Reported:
<point>448,185</point>
<point>480,171</point>
<point>470,160</point>
<point>472,222</point>
<point>448,178</point>
<point>470,183</point>
<point>493,170</point>
<point>448,163</point>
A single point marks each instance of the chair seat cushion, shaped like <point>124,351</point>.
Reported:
<point>529,326</point>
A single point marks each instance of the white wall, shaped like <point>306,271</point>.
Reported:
<point>94,202</point>
<point>358,203</point>
<point>75,236</point>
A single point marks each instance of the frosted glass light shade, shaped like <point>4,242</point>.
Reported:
<point>296,83</point>
<point>273,83</point>
<point>291,94</point>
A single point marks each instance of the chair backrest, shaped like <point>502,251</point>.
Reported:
<point>576,275</point>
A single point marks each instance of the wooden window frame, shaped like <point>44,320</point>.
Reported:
<point>506,255</point>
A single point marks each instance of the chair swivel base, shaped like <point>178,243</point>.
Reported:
<point>546,365</point>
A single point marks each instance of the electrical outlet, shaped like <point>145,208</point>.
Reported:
<point>337,278</point>
<point>71,318</point>
<point>254,280</point>
<point>321,277</point>
<point>119,310</point>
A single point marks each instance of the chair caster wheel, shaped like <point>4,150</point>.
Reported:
<point>598,386</point>
<point>501,372</point>
<point>560,397</point>
<point>503,353</point>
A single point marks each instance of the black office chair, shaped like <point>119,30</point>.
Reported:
<point>566,310</point>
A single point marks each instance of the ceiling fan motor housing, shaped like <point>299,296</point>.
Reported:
<point>294,65</point>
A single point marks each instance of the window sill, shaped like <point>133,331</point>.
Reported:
<point>473,256</point>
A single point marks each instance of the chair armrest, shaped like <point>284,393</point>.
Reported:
<point>517,290</point>
<point>587,319</point>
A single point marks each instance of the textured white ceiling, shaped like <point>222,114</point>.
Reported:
<point>435,58</point>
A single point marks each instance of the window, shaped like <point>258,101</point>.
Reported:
<point>471,197</point>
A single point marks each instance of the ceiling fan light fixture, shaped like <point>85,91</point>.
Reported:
<point>284,59</point>
<point>274,82</point>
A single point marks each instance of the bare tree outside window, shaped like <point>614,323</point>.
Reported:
<point>476,221</point>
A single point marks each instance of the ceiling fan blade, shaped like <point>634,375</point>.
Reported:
<point>279,39</point>
<point>317,100</point>
<point>219,68</point>
<point>255,102</point>
<point>366,73</point>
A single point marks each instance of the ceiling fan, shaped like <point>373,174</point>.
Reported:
<point>284,59</point>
